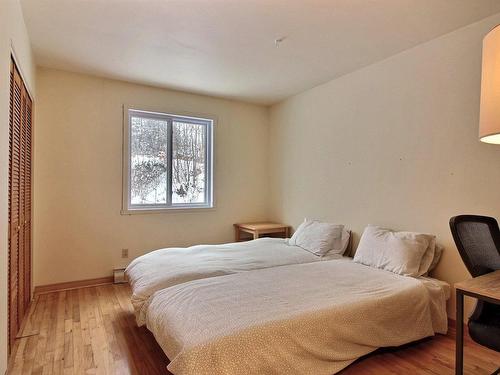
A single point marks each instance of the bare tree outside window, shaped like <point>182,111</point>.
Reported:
<point>149,140</point>
<point>188,163</point>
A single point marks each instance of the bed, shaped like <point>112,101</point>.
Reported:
<point>309,318</point>
<point>167,267</point>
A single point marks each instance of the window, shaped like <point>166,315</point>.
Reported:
<point>167,161</point>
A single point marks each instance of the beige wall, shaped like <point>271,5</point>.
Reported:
<point>13,37</point>
<point>79,232</point>
<point>395,144</point>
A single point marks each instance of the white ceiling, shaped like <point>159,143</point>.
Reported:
<point>226,47</point>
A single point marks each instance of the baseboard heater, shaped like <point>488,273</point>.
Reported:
<point>119,276</point>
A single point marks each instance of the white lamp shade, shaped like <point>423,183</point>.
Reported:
<point>489,117</point>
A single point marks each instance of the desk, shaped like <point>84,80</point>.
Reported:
<point>258,229</point>
<point>485,288</point>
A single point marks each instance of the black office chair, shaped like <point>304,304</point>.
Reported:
<point>478,241</point>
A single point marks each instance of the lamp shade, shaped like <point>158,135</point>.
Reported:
<point>489,116</point>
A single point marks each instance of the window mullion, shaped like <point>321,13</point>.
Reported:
<point>169,160</point>
<point>208,176</point>
<point>128,136</point>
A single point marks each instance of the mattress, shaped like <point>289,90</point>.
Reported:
<point>313,318</point>
<point>167,267</point>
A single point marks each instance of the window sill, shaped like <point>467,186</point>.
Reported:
<point>177,210</point>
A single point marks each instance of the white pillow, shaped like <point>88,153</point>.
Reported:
<point>398,252</point>
<point>428,258</point>
<point>317,237</point>
<point>340,246</point>
<point>437,257</point>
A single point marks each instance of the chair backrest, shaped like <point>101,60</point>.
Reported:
<point>478,241</point>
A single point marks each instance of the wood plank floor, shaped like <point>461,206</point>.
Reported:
<point>93,331</point>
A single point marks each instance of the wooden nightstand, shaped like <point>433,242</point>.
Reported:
<point>259,229</point>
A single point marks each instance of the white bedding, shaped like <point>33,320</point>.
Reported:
<point>167,267</point>
<point>313,318</point>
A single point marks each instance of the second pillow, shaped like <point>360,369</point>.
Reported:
<point>317,237</point>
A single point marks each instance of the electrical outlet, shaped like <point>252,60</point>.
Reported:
<point>124,253</point>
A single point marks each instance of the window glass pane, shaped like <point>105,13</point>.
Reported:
<point>188,162</point>
<point>148,160</point>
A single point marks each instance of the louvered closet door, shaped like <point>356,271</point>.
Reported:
<point>20,139</point>
<point>27,135</point>
<point>14,217</point>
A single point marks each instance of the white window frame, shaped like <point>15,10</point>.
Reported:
<point>208,121</point>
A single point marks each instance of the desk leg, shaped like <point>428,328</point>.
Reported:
<point>459,353</point>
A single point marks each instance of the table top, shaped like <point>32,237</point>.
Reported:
<point>487,285</point>
<point>261,226</point>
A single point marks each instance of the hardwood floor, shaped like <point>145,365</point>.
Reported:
<point>93,331</point>
<point>86,331</point>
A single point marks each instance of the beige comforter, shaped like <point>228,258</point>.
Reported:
<point>312,318</point>
<point>167,267</point>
